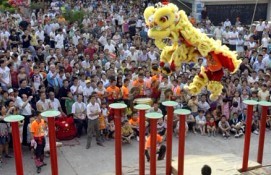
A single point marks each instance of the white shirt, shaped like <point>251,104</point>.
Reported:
<point>91,109</point>
<point>87,91</point>
<point>111,48</point>
<point>40,34</point>
<point>26,110</point>
<point>204,106</point>
<point>59,41</point>
<point>265,42</point>
<point>75,89</point>
<point>54,104</point>
<point>227,24</point>
<point>102,40</point>
<point>82,107</point>
<point>75,40</point>
<point>5,73</point>
<point>260,27</point>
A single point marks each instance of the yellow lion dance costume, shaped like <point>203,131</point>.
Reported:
<point>165,21</point>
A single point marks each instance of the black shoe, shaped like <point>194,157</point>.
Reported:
<point>8,156</point>
<point>88,146</point>
<point>100,144</point>
<point>44,164</point>
<point>38,170</point>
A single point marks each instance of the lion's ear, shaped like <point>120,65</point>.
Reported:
<point>148,12</point>
<point>173,7</point>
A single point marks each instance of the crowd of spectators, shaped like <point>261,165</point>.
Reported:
<point>79,68</point>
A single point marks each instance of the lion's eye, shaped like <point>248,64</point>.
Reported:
<point>164,18</point>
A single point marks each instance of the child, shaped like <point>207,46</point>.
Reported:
<point>224,127</point>
<point>235,108</point>
<point>244,96</point>
<point>237,126</point>
<point>176,130</point>
<point>69,101</point>
<point>200,122</point>
<point>126,132</point>
<point>111,129</point>
<point>134,122</point>
<point>255,123</point>
<point>225,108</point>
<point>211,127</point>
<point>161,127</point>
<point>103,121</point>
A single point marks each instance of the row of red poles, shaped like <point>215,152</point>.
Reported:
<point>153,117</point>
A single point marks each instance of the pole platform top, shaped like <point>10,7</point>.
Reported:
<point>250,102</point>
<point>118,106</point>
<point>170,103</point>
<point>154,115</point>
<point>13,118</point>
<point>142,107</point>
<point>264,103</point>
<point>182,112</point>
<point>50,113</point>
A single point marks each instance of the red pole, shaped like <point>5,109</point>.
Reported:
<point>17,148</point>
<point>118,145</point>
<point>262,135</point>
<point>169,139</point>
<point>247,137</point>
<point>141,142</point>
<point>181,145</point>
<point>153,130</point>
<point>52,140</point>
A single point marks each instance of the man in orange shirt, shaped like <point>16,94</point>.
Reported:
<point>125,91</point>
<point>38,127</point>
<point>176,89</point>
<point>113,91</point>
<point>139,82</point>
<point>161,149</point>
<point>134,122</point>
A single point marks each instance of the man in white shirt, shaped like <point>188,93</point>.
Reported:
<point>93,113</point>
<point>40,34</point>
<point>60,40</point>
<point>75,38</point>
<point>87,91</point>
<point>203,104</point>
<point>76,88</point>
<point>260,28</point>
<point>54,103</point>
<point>5,78</point>
<point>109,46</point>
<point>26,111</point>
<point>227,23</point>
<point>79,115</point>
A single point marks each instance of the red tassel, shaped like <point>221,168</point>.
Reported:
<point>172,66</point>
<point>162,64</point>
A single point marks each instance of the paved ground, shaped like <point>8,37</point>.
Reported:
<point>76,160</point>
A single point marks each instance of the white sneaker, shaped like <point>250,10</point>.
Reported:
<point>137,138</point>
<point>224,135</point>
<point>236,135</point>
<point>241,133</point>
<point>256,132</point>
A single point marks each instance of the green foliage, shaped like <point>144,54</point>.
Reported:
<point>72,16</point>
<point>37,5</point>
<point>6,7</point>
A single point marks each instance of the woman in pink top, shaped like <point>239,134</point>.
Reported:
<point>225,108</point>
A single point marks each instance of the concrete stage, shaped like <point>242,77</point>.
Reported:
<point>223,164</point>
